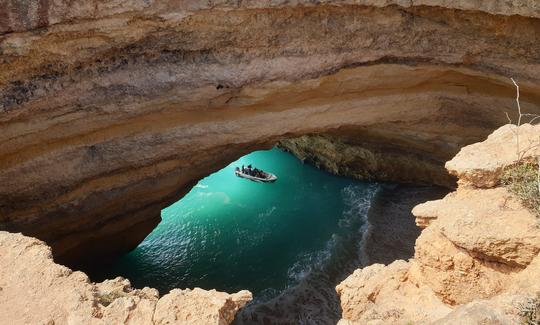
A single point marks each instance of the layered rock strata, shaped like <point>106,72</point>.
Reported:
<point>23,16</point>
<point>477,260</point>
<point>35,290</point>
<point>112,111</point>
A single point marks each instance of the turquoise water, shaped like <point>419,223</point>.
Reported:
<point>230,233</point>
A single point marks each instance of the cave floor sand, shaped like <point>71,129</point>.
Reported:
<point>393,230</point>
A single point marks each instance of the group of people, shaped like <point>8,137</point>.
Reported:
<point>252,171</point>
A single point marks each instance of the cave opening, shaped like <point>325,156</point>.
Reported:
<point>230,233</point>
<point>289,242</point>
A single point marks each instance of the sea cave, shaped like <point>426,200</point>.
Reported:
<point>122,124</point>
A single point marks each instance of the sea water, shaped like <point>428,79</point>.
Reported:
<point>230,233</point>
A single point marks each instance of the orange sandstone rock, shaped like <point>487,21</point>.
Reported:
<point>481,164</point>
<point>478,254</point>
<point>35,290</point>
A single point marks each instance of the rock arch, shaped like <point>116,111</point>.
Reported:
<point>106,120</point>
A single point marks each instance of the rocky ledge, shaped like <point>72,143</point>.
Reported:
<point>477,258</point>
<point>35,290</point>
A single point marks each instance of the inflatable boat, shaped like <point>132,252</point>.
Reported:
<point>263,177</point>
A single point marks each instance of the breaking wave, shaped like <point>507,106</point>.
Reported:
<point>310,297</point>
<point>354,231</point>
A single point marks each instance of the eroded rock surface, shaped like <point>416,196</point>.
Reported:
<point>35,290</point>
<point>381,294</point>
<point>476,260</point>
<point>20,16</point>
<point>110,111</point>
<point>482,164</point>
<point>478,221</point>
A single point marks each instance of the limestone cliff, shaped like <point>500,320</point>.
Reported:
<point>111,110</point>
<point>35,290</point>
<point>477,260</point>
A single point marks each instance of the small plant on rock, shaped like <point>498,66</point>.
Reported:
<point>522,180</point>
<point>530,311</point>
<point>523,177</point>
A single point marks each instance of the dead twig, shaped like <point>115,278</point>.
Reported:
<point>533,117</point>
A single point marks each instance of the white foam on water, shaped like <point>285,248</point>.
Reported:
<point>221,195</point>
<point>310,297</point>
<point>268,212</point>
<point>309,262</point>
<point>357,200</point>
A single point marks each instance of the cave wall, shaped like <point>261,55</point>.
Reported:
<point>371,154</point>
<point>110,113</point>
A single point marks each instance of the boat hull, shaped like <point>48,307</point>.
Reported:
<point>270,179</point>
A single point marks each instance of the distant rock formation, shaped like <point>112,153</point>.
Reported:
<point>380,155</point>
<point>477,260</point>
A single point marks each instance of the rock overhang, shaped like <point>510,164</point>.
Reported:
<point>104,118</point>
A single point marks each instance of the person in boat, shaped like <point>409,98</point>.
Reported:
<point>243,169</point>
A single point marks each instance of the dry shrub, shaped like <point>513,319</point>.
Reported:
<point>522,180</point>
<point>530,311</point>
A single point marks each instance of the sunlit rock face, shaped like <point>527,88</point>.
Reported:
<point>476,260</point>
<point>110,111</point>
<point>60,296</point>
